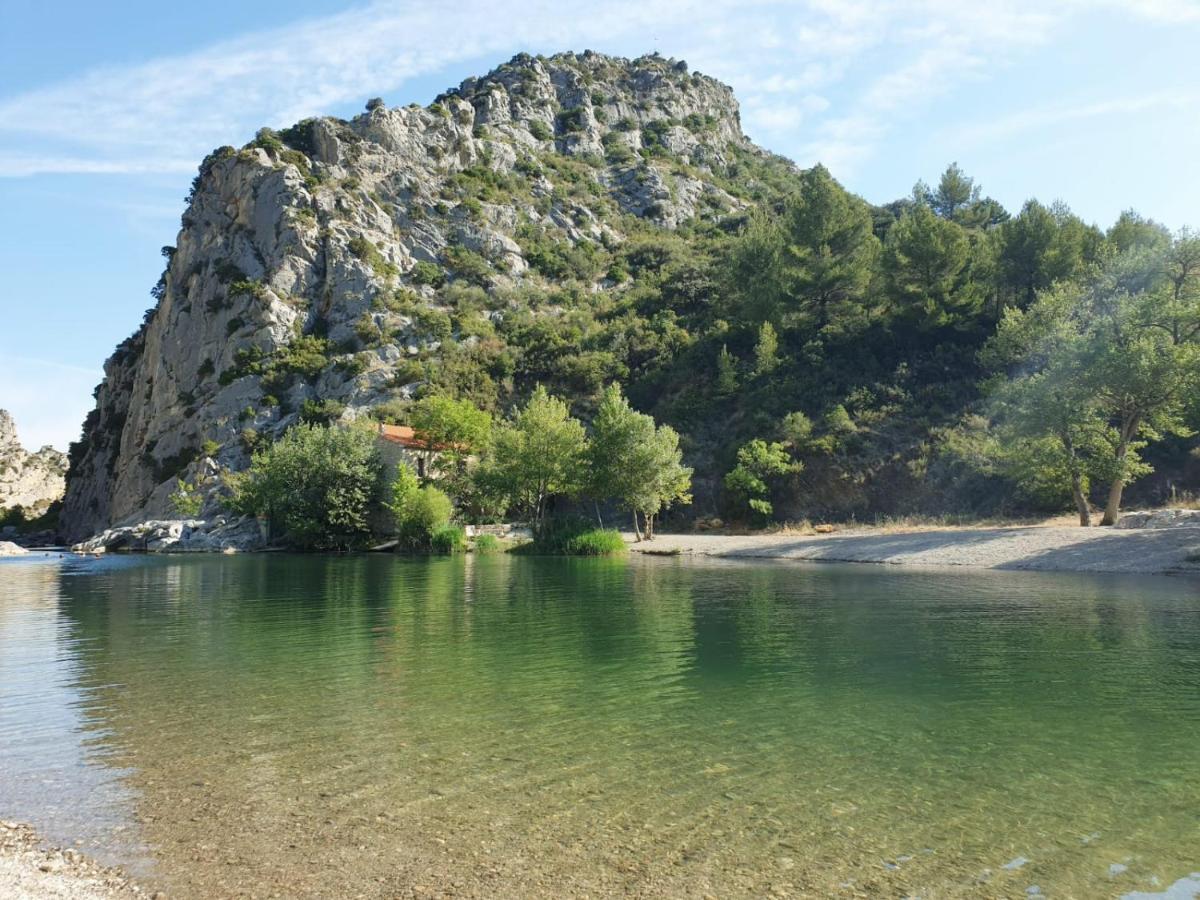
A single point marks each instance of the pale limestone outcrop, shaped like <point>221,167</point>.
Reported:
<point>299,275</point>
<point>31,481</point>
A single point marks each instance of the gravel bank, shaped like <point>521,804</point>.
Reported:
<point>1145,551</point>
<point>31,871</point>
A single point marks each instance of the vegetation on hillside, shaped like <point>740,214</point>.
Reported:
<point>738,336</point>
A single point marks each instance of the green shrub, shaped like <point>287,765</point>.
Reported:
<point>469,265</point>
<point>267,140</point>
<point>448,539</point>
<point>487,543</point>
<point>249,287</point>
<point>428,273</point>
<point>186,500</point>
<point>577,537</point>
<point>540,130</point>
<point>315,485</point>
<point>369,253</point>
<point>571,120</point>
<point>422,513</point>
<point>428,510</point>
<point>321,412</point>
<point>305,356</point>
<point>597,542</point>
<point>351,365</point>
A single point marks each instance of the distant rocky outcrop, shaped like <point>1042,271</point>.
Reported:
<point>31,481</point>
<point>308,278</point>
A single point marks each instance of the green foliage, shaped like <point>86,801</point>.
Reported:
<point>321,412</point>
<point>424,272</point>
<point>595,542</point>
<point>799,296</point>
<point>186,500</point>
<point>486,543</point>
<point>1098,369</point>
<point>572,536</point>
<point>448,539</point>
<point>454,426</point>
<point>766,351</point>
<point>727,377</point>
<point>420,512</point>
<point>559,259</point>
<point>170,466</point>
<point>759,464</point>
<point>633,462</point>
<point>267,140</point>
<point>540,455</point>
<point>369,253</point>
<point>796,429</point>
<point>829,253</point>
<point>469,265</point>
<point>540,130</point>
<point>1041,246</point>
<point>926,261</point>
<point>315,486</point>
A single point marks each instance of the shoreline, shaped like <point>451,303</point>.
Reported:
<point>1148,545</point>
<point>33,870</point>
<point>1171,550</point>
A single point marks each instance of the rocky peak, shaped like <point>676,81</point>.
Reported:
<point>582,98</point>
<point>323,270</point>
<point>31,481</point>
<point>8,431</point>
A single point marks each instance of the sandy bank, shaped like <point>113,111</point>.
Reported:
<point>31,871</point>
<point>1150,551</point>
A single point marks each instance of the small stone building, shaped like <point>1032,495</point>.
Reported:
<point>400,444</point>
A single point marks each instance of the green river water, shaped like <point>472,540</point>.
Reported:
<point>498,726</point>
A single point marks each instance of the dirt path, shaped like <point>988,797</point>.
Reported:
<point>1037,547</point>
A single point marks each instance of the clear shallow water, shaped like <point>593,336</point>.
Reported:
<point>496,726</point>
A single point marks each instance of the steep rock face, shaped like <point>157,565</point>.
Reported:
<point>31,481</point>
<point>303,281</point>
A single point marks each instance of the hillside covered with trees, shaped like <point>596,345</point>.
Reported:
<point>566,224</point>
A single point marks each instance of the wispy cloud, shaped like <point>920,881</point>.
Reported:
<point>882,60</point>
<point>1061,114</point>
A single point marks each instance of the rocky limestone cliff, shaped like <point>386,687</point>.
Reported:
<point>31,481</point>
<point>305,278</point>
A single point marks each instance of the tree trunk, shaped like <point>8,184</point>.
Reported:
<point>1112,510</point>
<point>599,520</point>
<point>637,528</point>
<point>1081,503</point>
<point>649,527</point>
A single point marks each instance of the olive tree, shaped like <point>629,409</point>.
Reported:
<point>540,455</point>
<point>634,462</point>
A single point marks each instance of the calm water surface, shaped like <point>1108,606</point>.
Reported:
<point>517,727</point>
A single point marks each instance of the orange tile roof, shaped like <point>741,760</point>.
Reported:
<point>406,437</point>
<point>402,435</point>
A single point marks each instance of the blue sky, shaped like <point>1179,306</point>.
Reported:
<point>106,109</point>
